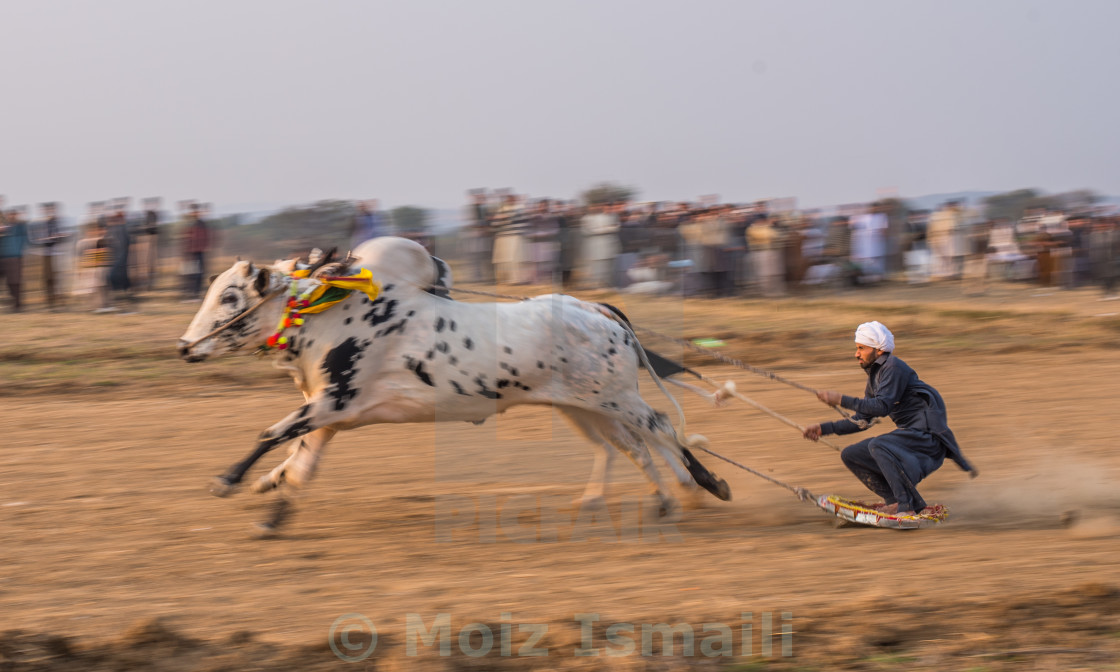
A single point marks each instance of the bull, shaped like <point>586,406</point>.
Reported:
<point>412,354</point>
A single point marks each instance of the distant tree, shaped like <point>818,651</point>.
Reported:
<point>294,230</point>
<point>409,219</point>
<point>1012,204</point>
<point>608,192</point>
<point>1078,199</point>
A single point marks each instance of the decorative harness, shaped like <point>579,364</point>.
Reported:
<point>318,295</point>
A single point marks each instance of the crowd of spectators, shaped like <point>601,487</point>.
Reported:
<point>769,248</point>
<point>108,258</point>
<point>705,248</point>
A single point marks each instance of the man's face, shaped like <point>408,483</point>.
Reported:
<point>866,355</point>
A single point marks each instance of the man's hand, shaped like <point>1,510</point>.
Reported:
<point>829,397</point>
<point>812,432</point>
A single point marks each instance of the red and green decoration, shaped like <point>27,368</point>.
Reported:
<point>321,294</point>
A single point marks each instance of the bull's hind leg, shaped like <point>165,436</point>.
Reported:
<point>619,436</point>
<point>594,496</point>
<point>654,427</point>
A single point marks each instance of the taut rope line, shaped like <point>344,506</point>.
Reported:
<point>688,344</point>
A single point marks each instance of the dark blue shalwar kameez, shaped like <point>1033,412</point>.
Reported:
<point>892,464</point>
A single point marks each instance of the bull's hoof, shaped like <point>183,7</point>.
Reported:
<point>264,484</point>
<point>722,490</point>
<point>281,511</point>
<point>222,487</point>
<point>266,531</point>
<point>590,503</point>
<point>669,510</point>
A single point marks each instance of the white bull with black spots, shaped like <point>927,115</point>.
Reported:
<point>412,355</point>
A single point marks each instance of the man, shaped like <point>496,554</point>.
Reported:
<point>48,236</point>
<point>120,239</point>
<point>892,464</point>
<point>511,246</point>
<point>367,223</point>
<point>13,242</point>
<point>197,241</point>
<point>940,235</point>
<point>480,238</point>
<point>147,245</point>
<point>600,244</point>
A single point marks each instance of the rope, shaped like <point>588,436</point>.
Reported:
<point>729,388</point>
<point>802,493</point>
<point>696,348</point>
<point>738,363</point>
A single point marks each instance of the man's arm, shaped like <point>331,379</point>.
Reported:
<point>889,389</point>
<point>845,426</point>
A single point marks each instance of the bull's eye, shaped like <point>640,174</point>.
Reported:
<point>229,299</point>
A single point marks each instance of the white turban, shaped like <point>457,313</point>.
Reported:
<point>875,335</point>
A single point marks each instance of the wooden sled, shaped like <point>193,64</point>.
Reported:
<point>861,513</point>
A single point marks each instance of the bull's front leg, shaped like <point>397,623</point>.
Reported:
<point>300,466</point>
<point>302,421</point>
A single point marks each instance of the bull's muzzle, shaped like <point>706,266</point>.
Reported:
<point>186,354</point>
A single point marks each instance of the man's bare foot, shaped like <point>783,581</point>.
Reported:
<point>892,510</point>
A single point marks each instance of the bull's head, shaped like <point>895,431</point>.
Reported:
<point>224,322</point>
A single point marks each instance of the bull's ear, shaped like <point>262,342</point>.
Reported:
<point>263,280</point>
<point>213,278</point>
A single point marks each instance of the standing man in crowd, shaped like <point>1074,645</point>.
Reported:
<point>120,239</point>
<point>49,237</point>
<point>941,234</point>
<point>1104,255</point>
<point>892,464</point>
<point>368,222</point>
<point>511,246</point>
<point>600,244</point>
<point>147,246</point>
<point>13,242</point>
<point>197,240</point>
<point>480,238</point>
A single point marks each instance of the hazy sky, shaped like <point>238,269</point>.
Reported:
<point>254,103</point>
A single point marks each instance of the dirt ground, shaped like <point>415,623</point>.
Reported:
<point>114,556</point>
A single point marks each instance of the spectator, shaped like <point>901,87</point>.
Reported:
<point>48,237</point>
<point>940,235</point>
<point>120,239</point>
<point>974,273</point>
<point>1104,255</point>
<point>765,240</point>
<point>792,245</point>
<point>95,257</point>
<point>567,223</point>
<point>480,238</point>
<point>869,244</point>
<point>14,241</point>
<point>600,244</point>
<point>147,246</point>
<point>367,223</point>
<point>197,241</point>
<point>511,249</point>
<point>543,235</point>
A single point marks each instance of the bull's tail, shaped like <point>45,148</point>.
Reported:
<point>704,478</point>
